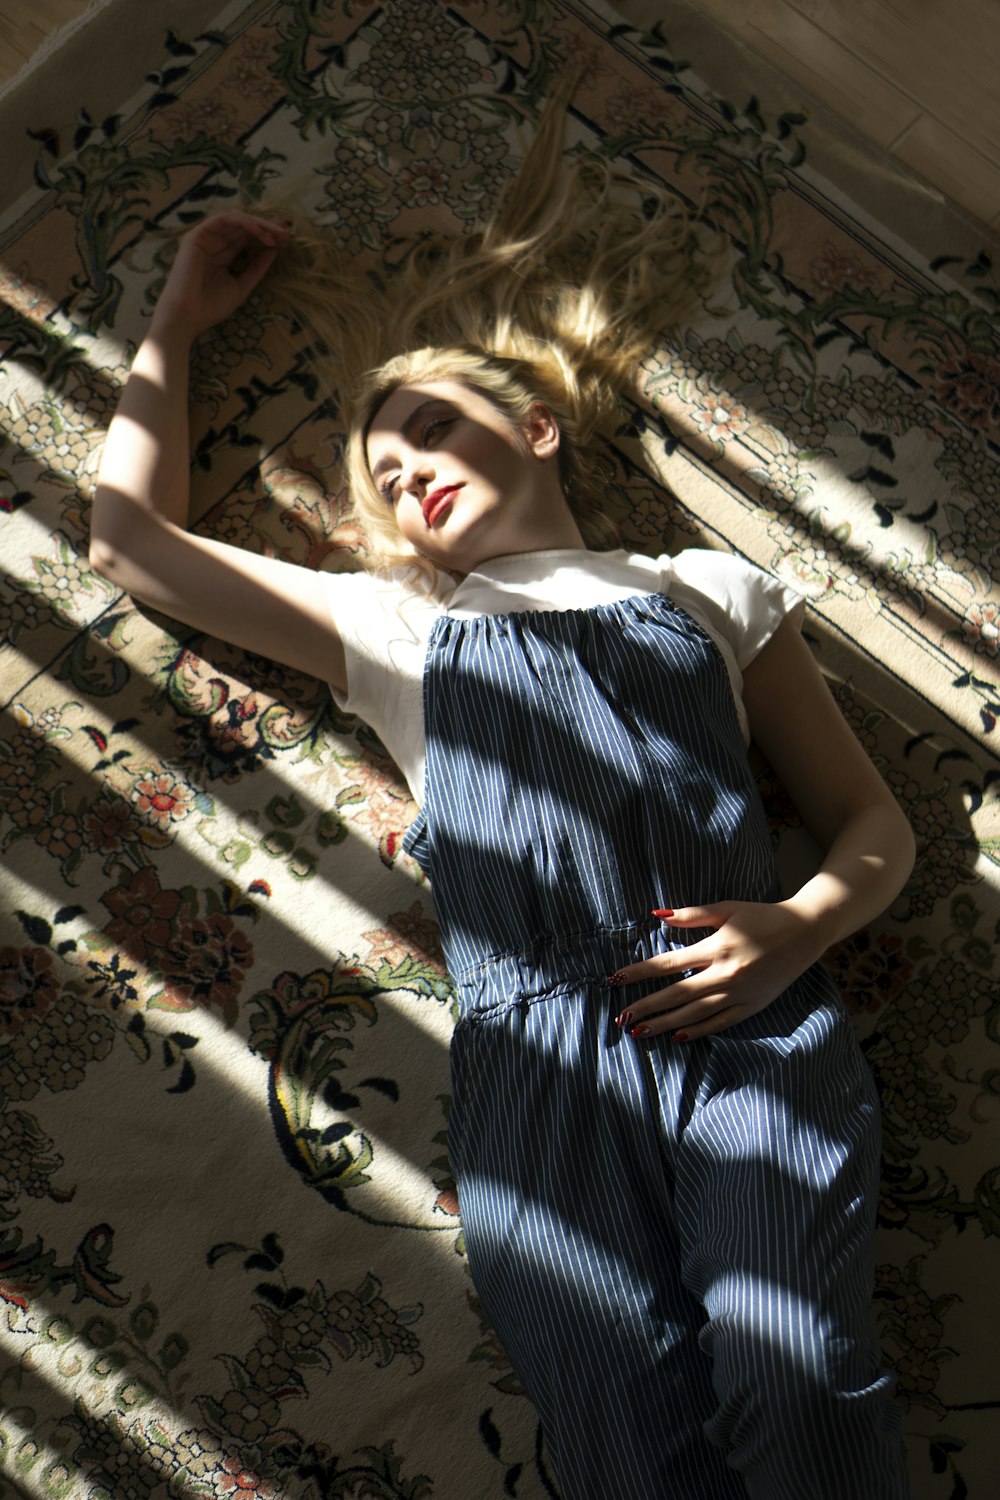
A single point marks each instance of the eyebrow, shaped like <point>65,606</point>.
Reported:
<point>413,420</point>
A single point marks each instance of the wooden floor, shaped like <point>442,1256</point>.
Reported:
<point>918,78</point>
<point>24,25</point>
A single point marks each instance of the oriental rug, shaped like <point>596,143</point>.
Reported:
<point>230,1257</point>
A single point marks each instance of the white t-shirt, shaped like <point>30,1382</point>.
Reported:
<point>385,620</point>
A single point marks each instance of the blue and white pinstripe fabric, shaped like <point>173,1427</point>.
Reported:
<point>674,1243</point>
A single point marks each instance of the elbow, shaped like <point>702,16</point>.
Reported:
<point>907,844</point>
<point>111,564</point>
<point>103,558</point>
<point>125,539</point>
<point>105,526</point>
<point>900,830</point>
<point>898,844</point>
<point>880,831</point>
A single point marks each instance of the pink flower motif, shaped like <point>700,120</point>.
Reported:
<point>28,987</point>
<point>981,626</point>
<point>206,963</point>
<point>630,104</point>
<point>212,117</point>
<point>871,969</point>
<point>968,385</point>
<point>583,54</point>
<point>721,419</point>
<point>409,934</point>
<point>446,1201</point>
<point>251,74</point>
<point>384,807</point>
<point>18,291</point>
<point>161,799</point>
<point>836,269</point>
<point>806,573</point>
<point>423,182</point>
<point>142,913</point>
<point>242,1483</point>
<point>109,824</point>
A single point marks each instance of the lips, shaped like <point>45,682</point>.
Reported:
<point>437,502</point>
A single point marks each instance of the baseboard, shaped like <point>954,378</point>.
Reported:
<point>91,63</point>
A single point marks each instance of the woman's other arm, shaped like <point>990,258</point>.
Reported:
<point>845,804</point>
<point>756,949</point>
<point>138,536</point>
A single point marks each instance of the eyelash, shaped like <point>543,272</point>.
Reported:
<point>388,489</point>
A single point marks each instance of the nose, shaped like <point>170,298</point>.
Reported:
<point>415,471</point>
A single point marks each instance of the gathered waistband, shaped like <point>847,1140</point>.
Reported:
<point>558,964</point>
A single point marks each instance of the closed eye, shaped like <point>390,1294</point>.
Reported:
<point>432,427</point>
<point>388,487</point>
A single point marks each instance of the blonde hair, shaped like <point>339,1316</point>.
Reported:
<point>557,298</point>
<point>513,386</point>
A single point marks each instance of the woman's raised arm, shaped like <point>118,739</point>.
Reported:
<point>138,537</point>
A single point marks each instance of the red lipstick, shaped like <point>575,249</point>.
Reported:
<point>437,502</point>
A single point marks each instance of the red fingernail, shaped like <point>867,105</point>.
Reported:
<point>624,1018</point>
<point>639,1031</point>
<point>679,1036</point>
<point>618,977</point>
<point>662,911</point>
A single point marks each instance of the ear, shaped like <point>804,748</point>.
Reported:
<point>542,431</point>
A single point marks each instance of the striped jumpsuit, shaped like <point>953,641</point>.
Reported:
<point>673,1242</point>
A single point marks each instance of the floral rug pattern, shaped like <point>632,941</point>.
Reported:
<point>230,1257</point>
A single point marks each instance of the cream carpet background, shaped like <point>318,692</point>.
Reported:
<point>230,1260</point>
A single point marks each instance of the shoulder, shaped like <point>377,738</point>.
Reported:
<point>737,600</point>
<point>358,600</point>
<point>384,621</point>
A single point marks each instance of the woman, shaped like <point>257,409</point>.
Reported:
<point>664,1134</point>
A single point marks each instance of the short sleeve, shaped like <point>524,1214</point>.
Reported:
<point>740,602</point>
<point>358,610</point>
<point>384,621</point>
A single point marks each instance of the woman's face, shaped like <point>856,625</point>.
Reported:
<point>465,484</point>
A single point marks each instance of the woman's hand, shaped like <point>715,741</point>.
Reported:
<point>217,266</point>
<point>755,951</point>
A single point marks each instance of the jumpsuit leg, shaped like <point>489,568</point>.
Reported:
<point>777,1188</point>
<point>564,1190</point>
<point>673,1245</point>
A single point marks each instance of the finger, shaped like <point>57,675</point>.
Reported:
<point>271,231</point>
<point>695,916</point>
<point>693,990</point>
<point>692,1031</point>
<point>707,1016</point>
<point>256,224</point>
<point>255,271</point>
<point>678,961</point>
<point>225,238</point>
